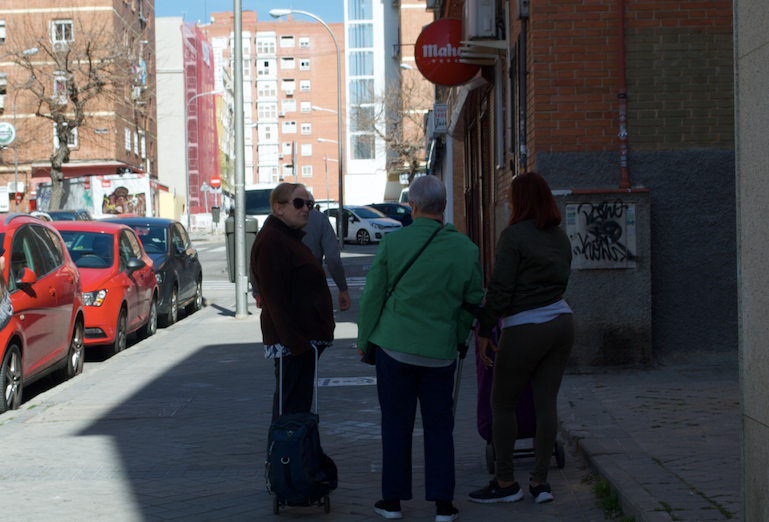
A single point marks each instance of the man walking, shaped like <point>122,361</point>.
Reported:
<point>322,240</point>
<point>411,315</point>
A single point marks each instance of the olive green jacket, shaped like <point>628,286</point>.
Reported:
<point>423,316</point>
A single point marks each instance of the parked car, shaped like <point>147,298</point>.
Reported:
<point>396,211</point>
<point>120,293</point>
<point>177,266</point>
<point>45,335</point>
<point>80,214</point>
<point>42,216</point>
<point>363,224</point>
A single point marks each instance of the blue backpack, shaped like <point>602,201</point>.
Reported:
<point>298,472</point>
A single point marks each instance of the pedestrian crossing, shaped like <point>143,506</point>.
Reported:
<point>226,285</point>
<point>207,249</point>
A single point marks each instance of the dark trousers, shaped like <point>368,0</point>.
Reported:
<point>539,352</point>
<point>399,386</point>
<point>298,383</point>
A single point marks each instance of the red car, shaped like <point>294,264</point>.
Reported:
<point>120,293</point>
<point>45,334</point>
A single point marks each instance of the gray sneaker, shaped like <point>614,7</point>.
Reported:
<point>494,493</point>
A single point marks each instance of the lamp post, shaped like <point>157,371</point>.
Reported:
<point>187,152</point>
<point>277,13</point>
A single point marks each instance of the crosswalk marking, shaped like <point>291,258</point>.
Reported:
<point>201,249</point>
<point>220,249</point>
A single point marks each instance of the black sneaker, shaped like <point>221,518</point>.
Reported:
<point>494,493</point>
<point>445,511</point>
<point>541,493</point>
<point>389,508</point>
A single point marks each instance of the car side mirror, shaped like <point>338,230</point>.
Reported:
<point>181,252</point>
<point>135,264</point>
<point>27,278</point>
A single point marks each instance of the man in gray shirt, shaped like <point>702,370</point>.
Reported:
<point>322,240</point>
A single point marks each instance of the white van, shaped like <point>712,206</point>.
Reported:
<point>258,201</point>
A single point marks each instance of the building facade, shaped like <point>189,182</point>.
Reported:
<point>112,164</point>
<point>289,96</point>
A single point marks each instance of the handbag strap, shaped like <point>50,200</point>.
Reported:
<point>413,259</point>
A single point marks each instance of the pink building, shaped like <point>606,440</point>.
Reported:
<point>202,139</point>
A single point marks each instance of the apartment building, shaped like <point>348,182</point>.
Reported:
<point>289,97</point>
<point>112,165</point>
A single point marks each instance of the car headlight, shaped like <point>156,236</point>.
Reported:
<point>377,226</point>
<point>94,298</point>
<point>158,277</point>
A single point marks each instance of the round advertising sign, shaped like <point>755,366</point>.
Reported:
<point>7,133</point>
<point>437,53</point>
<point>216,182</point>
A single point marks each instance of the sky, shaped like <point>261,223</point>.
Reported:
<point>329,10</point>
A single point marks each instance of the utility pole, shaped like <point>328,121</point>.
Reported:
<point>241,276</point>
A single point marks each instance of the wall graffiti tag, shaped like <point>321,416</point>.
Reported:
<point>602,235</point>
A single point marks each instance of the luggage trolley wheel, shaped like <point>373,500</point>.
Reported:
<point>491,458</point>
<point>275,505</point>
<point>560,458</point>
<point>327,504</point>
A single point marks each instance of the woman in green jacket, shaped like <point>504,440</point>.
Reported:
<point>526,290</point>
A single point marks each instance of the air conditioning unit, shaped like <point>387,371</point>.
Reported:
<point>136,93</point>
<point>12,187</point>
<point>60,47</point>
<point>290,92</point>
<point>280,156</point>
<point>281,114</point>
<point>479,19</point>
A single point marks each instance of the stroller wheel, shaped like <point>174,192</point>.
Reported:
<point>275,505</point>
<point>560,458</point>
<point>491,458</point>
<point>327,504</point>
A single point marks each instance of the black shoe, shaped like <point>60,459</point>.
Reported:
<point>389,508</point>
<point>445,511</point>
<point>541,493</point>
<point>494,493</point>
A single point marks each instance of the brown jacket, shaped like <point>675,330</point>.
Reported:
<point>296,301</point>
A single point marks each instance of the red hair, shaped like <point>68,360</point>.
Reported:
<point>531,198</point>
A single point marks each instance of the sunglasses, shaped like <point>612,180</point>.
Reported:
<point>299,203</point>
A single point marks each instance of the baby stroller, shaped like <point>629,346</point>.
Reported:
<point>524,412</point>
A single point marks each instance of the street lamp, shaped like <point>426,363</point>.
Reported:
<point>407,67</point>
<point>316,108</point>
<point>277,13</point>
<point>327,160</point>
<point>187,151</point>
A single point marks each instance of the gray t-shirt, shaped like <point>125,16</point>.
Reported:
<point>322,240</point>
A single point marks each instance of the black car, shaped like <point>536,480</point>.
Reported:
<point>177,267</point>
<point>79,214</point>
<point>395,211</point>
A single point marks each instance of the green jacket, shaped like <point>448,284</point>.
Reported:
<point>423,315</point>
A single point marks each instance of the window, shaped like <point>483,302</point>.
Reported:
<point>268,175</point>
<point>361,36</point>
<point>286,148</point>
<point>246,68</point>
<point>306,107</point>
<point>136,143</point>
<point>136,250</point>
<point>143,146</point>
<point>266,89</point>
<point>127,139</point>
<point>268,132</point>
<point>71,140</point>
<point>362,63</point>
<point>265,68</point>
<point>362,147</point>
<point>306,149</point>
<point>62,31</point>
<point>362,119</point>
<point>267,110</point>
<point>288,170</point>
<point>265,45</point>
<point>48,255</point>
<point>268,154</point>
<point>60,90</point>
<point>287,40</point>
<point>288,63</point>
<point>22,254</point>
<point>288,84</point>
<point>360,10</point>
<point>304,85</point>
<point>304,65</point>
<point>361,91</point>
<point>289,127</point>
<point>288,105</point>
<point>306,128</point>
<point>304,43</point>
<point>307,171</point>
<point>2,32</point>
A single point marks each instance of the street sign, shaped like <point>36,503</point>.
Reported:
<point>216,182</point>
<point>18,198</point>
<point>7,133</point>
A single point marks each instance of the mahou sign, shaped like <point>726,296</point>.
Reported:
<point>437,53</point>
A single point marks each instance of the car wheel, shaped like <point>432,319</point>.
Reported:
<point>11,382</point>
<point>173,310</point>
<point>363,237</point>
<point>75,357</point>
<point>197,304</point>
<point>121,333</point>
<point>151,326</point>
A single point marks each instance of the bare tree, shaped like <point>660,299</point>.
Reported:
<point>79,66</point>
<point>396,117</point>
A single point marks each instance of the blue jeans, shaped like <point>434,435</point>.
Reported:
<point>399,386</point>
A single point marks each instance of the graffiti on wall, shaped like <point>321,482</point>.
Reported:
<point>602,235</point>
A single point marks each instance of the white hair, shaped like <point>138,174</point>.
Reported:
<point>429,194</point>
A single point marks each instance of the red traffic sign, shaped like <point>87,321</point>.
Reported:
<point>215,182</point>
<point>437,53</point>
<point>18,198</point>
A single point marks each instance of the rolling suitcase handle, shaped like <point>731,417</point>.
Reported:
<point>280,382</point>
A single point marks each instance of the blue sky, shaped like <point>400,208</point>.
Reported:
<point>328,10</point>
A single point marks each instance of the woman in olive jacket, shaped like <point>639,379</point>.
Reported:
<point>526,290</point>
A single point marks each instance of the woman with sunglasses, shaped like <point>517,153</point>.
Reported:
<point>297,311</point>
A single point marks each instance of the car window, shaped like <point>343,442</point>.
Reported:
<point>400,210</point>
<point>90,249</point>
<point>47,254</point>
<point>22,254</point>
<point>82,216</point>
<point>137,250</point>
<point>368,213</point>
<point>154,239</point>
<point>184,235</point>
<point>59,252</point>
<point>124,251</point>
<point>176,239</point>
